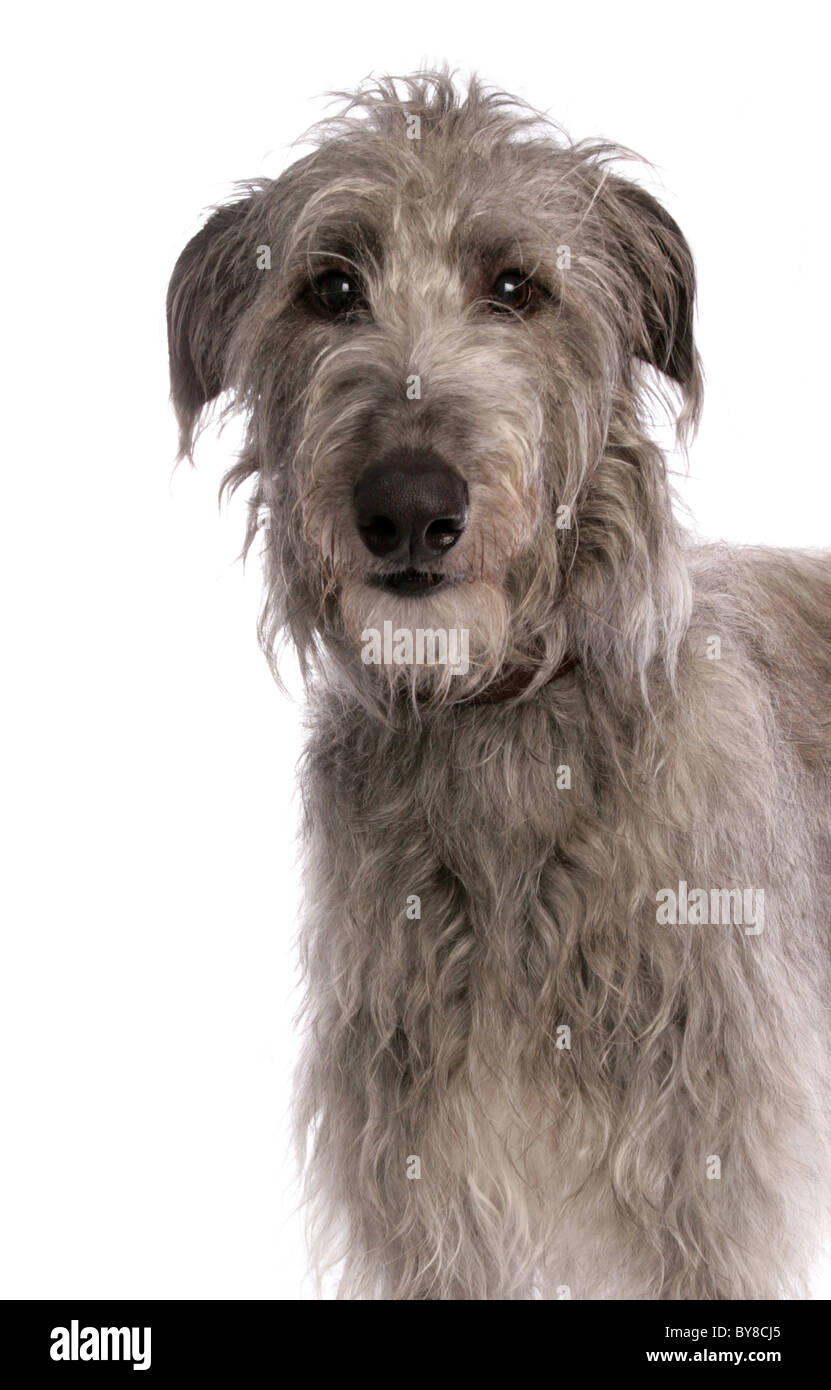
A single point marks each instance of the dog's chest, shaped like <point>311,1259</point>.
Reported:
<point>442,852</point>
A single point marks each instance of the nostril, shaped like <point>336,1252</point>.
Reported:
<point>444,532</point>
<point>381,526</point>
<point>380,533</point>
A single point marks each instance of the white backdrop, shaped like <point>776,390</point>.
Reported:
<point>149,887</point>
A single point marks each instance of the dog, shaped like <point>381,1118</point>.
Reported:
<point>565,939</point>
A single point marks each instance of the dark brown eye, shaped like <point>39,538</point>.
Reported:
<point>511,290</point>
<point>337,291</point>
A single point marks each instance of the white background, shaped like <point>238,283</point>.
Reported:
<point>149,887</point>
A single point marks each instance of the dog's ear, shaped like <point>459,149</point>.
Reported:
<point>662,272</point>
<point>213,282</point>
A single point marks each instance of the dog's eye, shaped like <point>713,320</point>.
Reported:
<point>511,290</point>
<point>337,291</point>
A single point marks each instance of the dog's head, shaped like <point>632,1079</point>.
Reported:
<point>440,325</point>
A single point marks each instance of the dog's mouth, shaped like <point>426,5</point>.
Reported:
<point>411,582</point>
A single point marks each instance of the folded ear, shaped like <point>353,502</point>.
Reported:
<point>213,282</point>
<point>662,273</point>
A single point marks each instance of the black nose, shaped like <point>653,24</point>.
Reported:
<point>411,506</point>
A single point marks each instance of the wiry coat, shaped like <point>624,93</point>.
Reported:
<point>440,1036</point>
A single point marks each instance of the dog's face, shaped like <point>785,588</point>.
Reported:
<point>434,322</point>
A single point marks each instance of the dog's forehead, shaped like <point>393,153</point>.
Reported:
<point>446,206</point>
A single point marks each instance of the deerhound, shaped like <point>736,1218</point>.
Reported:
<point>565,934</point>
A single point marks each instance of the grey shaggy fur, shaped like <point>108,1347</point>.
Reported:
<point>544,1168</point>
